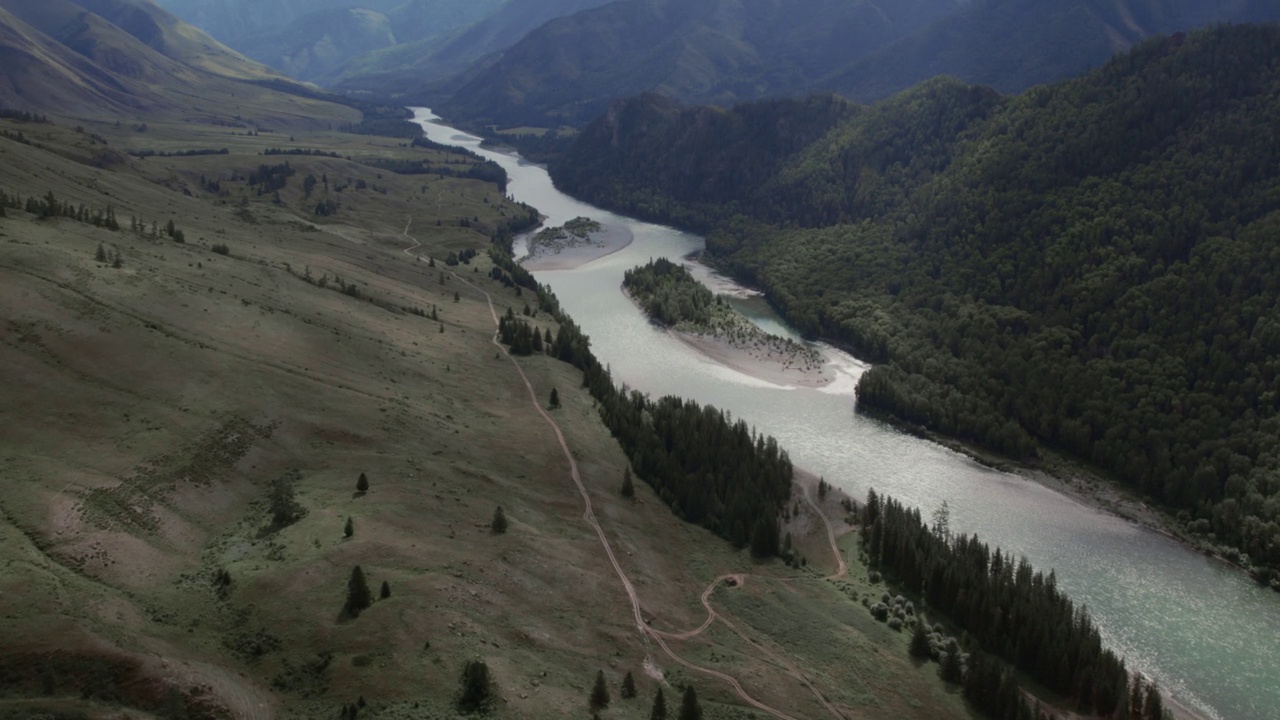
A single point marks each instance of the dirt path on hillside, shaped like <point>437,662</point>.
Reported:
<point>657,636</point>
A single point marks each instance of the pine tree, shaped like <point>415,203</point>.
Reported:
<point>952,671</point>
<point>600,693</point>
<point>362,484</point>
<point>358,596</point>
<point>628,488</point>
<point>555,398</point>
<point>920,642</point>
<point>349,529</point>
<point>764,538</point>
<point>499,523</point>
<point>1135,696</point>
<point>476,692</point>
<point>386,590</point>
<point>101,254</point>
<point>1154,708</point>
<point>689,707</point>
<point>628,686</point>
<point>285,509</point>
<point>659,711</point>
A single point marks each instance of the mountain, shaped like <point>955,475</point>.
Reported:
<point>1011,45</point>
<point>706,51</point>
<point>420,66</point>
<point>89,57</point>
<point>388,46</point>
<point>1086,269</point>
<point>233,20</point>
<point>316,46</point>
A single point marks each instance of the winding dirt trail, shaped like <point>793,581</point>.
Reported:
<point>658,637</point>
<point>842,568</point>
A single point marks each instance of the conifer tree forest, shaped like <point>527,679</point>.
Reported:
<point>1014,618</point>
<point>1088,269</point>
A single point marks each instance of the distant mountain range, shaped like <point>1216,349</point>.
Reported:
<point>726,51</point>
<point>395,45</point>
<point>131,58</point>
<point>1011,45</point>
<point>548,63</point>
<point>703,51</point>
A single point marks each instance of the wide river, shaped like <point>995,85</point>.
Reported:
<point>1207,634</point>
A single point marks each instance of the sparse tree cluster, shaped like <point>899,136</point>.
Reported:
<point>49,206</point>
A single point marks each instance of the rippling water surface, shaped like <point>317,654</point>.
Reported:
<point>1208,635</point>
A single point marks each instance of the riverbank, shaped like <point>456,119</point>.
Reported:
<point>1072,479</point>
<point>572,251</point>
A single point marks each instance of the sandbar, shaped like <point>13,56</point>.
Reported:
<point>606,241</point>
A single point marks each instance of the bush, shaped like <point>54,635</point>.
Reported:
<point>895,623</point>
<point>221,249</point>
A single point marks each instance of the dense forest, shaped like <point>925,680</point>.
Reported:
<point>1008,612</point>
<point>1090,267</point>
<point>710,469</point>
<point>668,294</point>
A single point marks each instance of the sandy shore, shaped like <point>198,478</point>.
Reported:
<point>771,366</point>
<point>608,240</point>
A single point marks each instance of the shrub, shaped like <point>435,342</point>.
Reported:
<point>221,249</point>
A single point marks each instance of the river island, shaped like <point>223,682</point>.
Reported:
<point>671,297</point>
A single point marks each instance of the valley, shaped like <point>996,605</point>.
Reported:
<point>288,431</point>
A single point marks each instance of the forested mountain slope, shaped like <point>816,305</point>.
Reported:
<point>1091,266</point>
<point>1011,45</point>
<point>712,51</point>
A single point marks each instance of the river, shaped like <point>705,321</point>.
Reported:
<point>1208,635</point>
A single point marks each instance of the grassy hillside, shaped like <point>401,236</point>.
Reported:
<point>137,62</point>
<point>1083,270</point>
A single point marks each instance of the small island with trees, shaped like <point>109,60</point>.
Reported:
<point>671,297</point>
